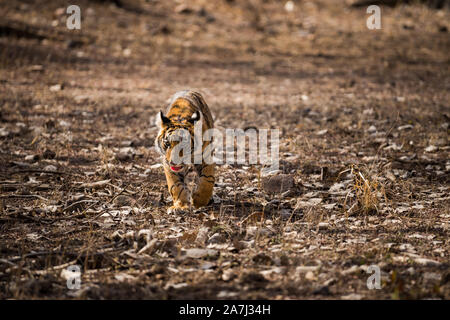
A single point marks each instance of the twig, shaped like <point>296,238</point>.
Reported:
<point>12,196</point>
<point>108,202</point>
<point>55,268</point>
<point>12,264</point>
<point>76,203</point>
<point>34,254</point>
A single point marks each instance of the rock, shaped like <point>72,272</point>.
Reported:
<point>56,88</point>
<point>123,156</point>
<point>126,143</point>
<point>337,187</point>
<point>207,265</point>
<point>310,203</point>
<point>32,157</point>
<point>262,258</point>
<point>253,277</point>
<point>51,168</point>
<point>126,52</point>
<point>368,111</point>
<point>329,206</point>
<point>279,183</point>
<point>216,199</point>
<point>432,277</point>
<point>64,124</point>
<point>372,129</point>
<point>123,200</point>
<point>202,235</point>
<point>323,225</point>
<point>289,6</point>
<point>322,290</point>
<point>198,253</point>
<point>253,231</point>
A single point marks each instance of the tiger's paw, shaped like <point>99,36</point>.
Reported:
<point>178,209</point>
<point>199,201</point>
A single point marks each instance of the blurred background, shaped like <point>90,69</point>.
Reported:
<point>224,47</point>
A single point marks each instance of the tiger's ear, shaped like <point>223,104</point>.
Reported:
<point>161,120</point>
<point>195,117</point>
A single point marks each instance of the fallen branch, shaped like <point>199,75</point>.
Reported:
<point>18,196</point>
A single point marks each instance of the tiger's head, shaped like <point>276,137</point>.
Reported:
<point>172,131</point>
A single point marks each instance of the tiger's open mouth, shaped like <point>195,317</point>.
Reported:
<point>176,168</point>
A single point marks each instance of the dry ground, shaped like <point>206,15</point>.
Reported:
<point>364,120</point>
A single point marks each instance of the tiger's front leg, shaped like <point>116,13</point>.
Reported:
<point>204,190</point>
<point>178,191</point>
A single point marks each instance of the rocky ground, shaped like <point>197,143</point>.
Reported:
<point>364,155</point>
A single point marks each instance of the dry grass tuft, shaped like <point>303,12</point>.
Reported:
<point>367,191</point>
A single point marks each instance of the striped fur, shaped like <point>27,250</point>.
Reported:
<point>184,109</point>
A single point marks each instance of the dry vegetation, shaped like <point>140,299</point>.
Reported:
<point>364,119</point>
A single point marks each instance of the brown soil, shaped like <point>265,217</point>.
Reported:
<point>364,120</point>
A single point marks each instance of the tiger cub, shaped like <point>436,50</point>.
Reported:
<point>183,112</point>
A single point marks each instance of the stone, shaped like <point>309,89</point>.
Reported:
<point>279,183</point>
